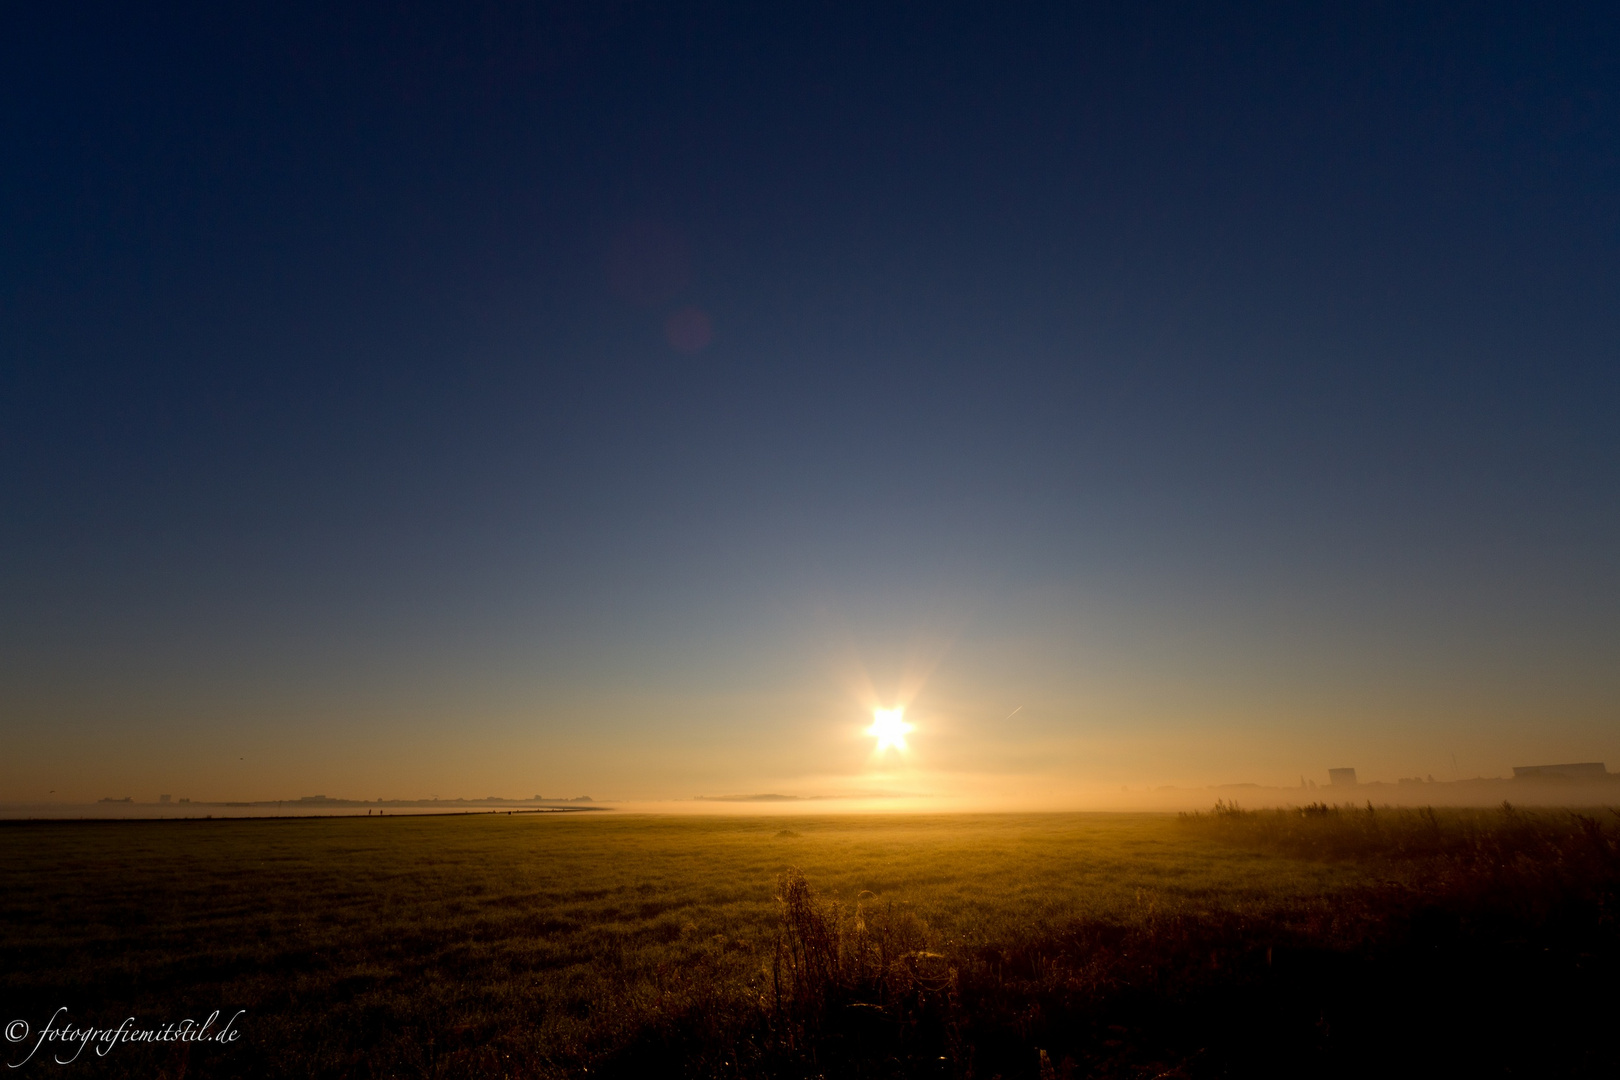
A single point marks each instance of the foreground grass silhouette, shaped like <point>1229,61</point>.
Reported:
<point>1330,941</point>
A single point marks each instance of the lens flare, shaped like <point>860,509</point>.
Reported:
<point>889,729</point>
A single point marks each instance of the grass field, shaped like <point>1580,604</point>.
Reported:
<point>1333,942</point>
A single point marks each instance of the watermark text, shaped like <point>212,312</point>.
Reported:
<point>70,1040</point>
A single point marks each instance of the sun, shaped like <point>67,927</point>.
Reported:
<point>889,728</point>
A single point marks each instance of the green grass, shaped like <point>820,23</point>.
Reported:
<point>1118,945</point>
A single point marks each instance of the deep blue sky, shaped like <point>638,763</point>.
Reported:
<point>454,397</point>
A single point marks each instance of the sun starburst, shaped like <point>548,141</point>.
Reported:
<point>889,729</point>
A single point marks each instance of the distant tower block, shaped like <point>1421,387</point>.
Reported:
<point>1342,777</point>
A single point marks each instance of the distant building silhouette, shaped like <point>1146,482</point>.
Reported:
<point>1342,777</point>
<point>1584,770</point>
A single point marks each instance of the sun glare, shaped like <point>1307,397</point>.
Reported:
<point>889,728</point>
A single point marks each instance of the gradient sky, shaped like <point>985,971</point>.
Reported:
<point>626,398</point>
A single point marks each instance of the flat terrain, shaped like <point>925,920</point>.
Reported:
<point>1044,945</point>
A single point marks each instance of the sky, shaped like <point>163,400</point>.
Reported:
<point>629,398</point>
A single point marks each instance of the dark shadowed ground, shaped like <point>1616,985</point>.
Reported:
<point>1330,942</point>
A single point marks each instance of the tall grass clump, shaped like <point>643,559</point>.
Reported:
<point>855,978</point>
